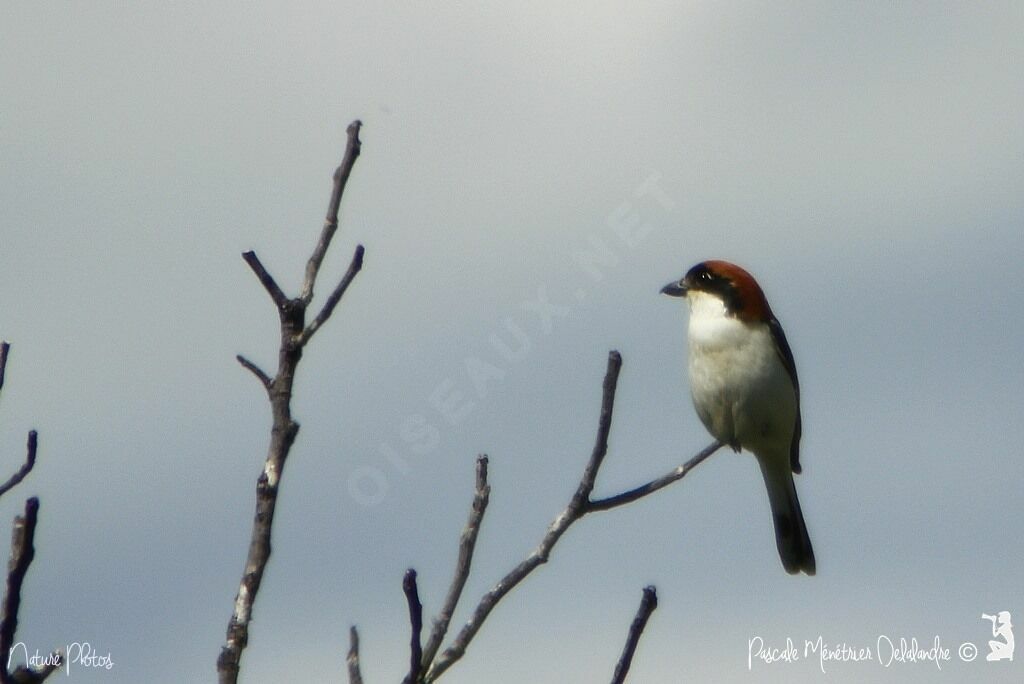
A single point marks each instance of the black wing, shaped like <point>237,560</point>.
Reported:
<point>786,354</point>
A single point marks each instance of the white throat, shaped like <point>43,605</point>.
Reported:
<point>711,326</point>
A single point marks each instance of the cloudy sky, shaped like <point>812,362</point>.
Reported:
<point>531,176</point>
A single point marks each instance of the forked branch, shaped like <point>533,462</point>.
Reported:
<point>30,457</point>
<point>341,174</point>
<point>294,335</point>
<point>26,467</point>
<point>22,553</point>
<point>580,504</point>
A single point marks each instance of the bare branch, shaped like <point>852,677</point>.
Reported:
<point>573,512</point>
<point>341,174</point>
<point>467,543</point>
<point>412,597</point>
<point>352,660</point>
<point>264,379</point>
<point>332,301</point>
<point>267,280</point>
<point>283,430</point>
<point>22,553</point>
<point>30,458</point>
<point>26,467</point>
<point>579,505</point>
<point>604,426</point>
<point>4,348</point>
<point>676,473</point>
<point>648,603</point>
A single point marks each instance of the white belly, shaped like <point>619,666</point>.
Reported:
<point>741,390</point>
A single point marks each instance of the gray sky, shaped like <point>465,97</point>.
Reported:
<point>864,161</point>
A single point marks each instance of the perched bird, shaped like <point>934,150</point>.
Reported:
<point>744,387</point>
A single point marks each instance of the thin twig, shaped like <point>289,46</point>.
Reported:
<point>467,543</point>
<point>412,597</point>
<point>4,348</point>
<point>352,659</point>
<point>284,429</point>
<point>26,467</point>
<point>579,506</point>
<point>648,603</point>
<point>267,280</point>
<point>341,174</point>
<point>332,301</point>
<point>264,379</point>
<point>676,473</point>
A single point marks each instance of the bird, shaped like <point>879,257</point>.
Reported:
<point>745,390</point>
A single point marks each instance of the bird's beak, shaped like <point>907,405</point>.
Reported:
<point>674,289</point>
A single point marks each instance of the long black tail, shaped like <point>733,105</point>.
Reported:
<point>790,531</point>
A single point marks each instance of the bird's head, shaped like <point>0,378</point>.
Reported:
<point>733,286</point>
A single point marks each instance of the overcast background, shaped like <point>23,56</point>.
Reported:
<point>864,161</point>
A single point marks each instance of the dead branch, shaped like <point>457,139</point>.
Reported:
<point>26,467</point>
<point>22,553</point>
<point>4,348</point>
<point>294,335</point>
<point>341,174</point>
<point>579,505</point>
<point>264,379</point>
<point>412,597</point>
<point>30,458</point>
<point>654,485</point>
<point>352,659</point>
<point>648,603</point>
<point>335,296</point>
<point>467,544</point>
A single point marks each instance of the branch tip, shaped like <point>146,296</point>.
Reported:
<point>268,282</point>
<point>648,602</point>
<point>264,379</point>
<point>31,447</point>
<point>5,347</point>
<point>412,597</point>
<point>352,659</point>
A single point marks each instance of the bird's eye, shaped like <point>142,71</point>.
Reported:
<point>705,276</point>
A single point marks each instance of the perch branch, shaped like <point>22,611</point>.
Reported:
<point>26,467</point>
<point>352,149</point>
<point>665,480</point>
<point>579,505</point>
<point>352,659</point>
<point>412,597</point>
<point>559,525</point>
<point>648,603</point>
<point>467,543</point>
<point>283,431</point>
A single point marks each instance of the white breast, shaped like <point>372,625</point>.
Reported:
<point>741,390</point>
